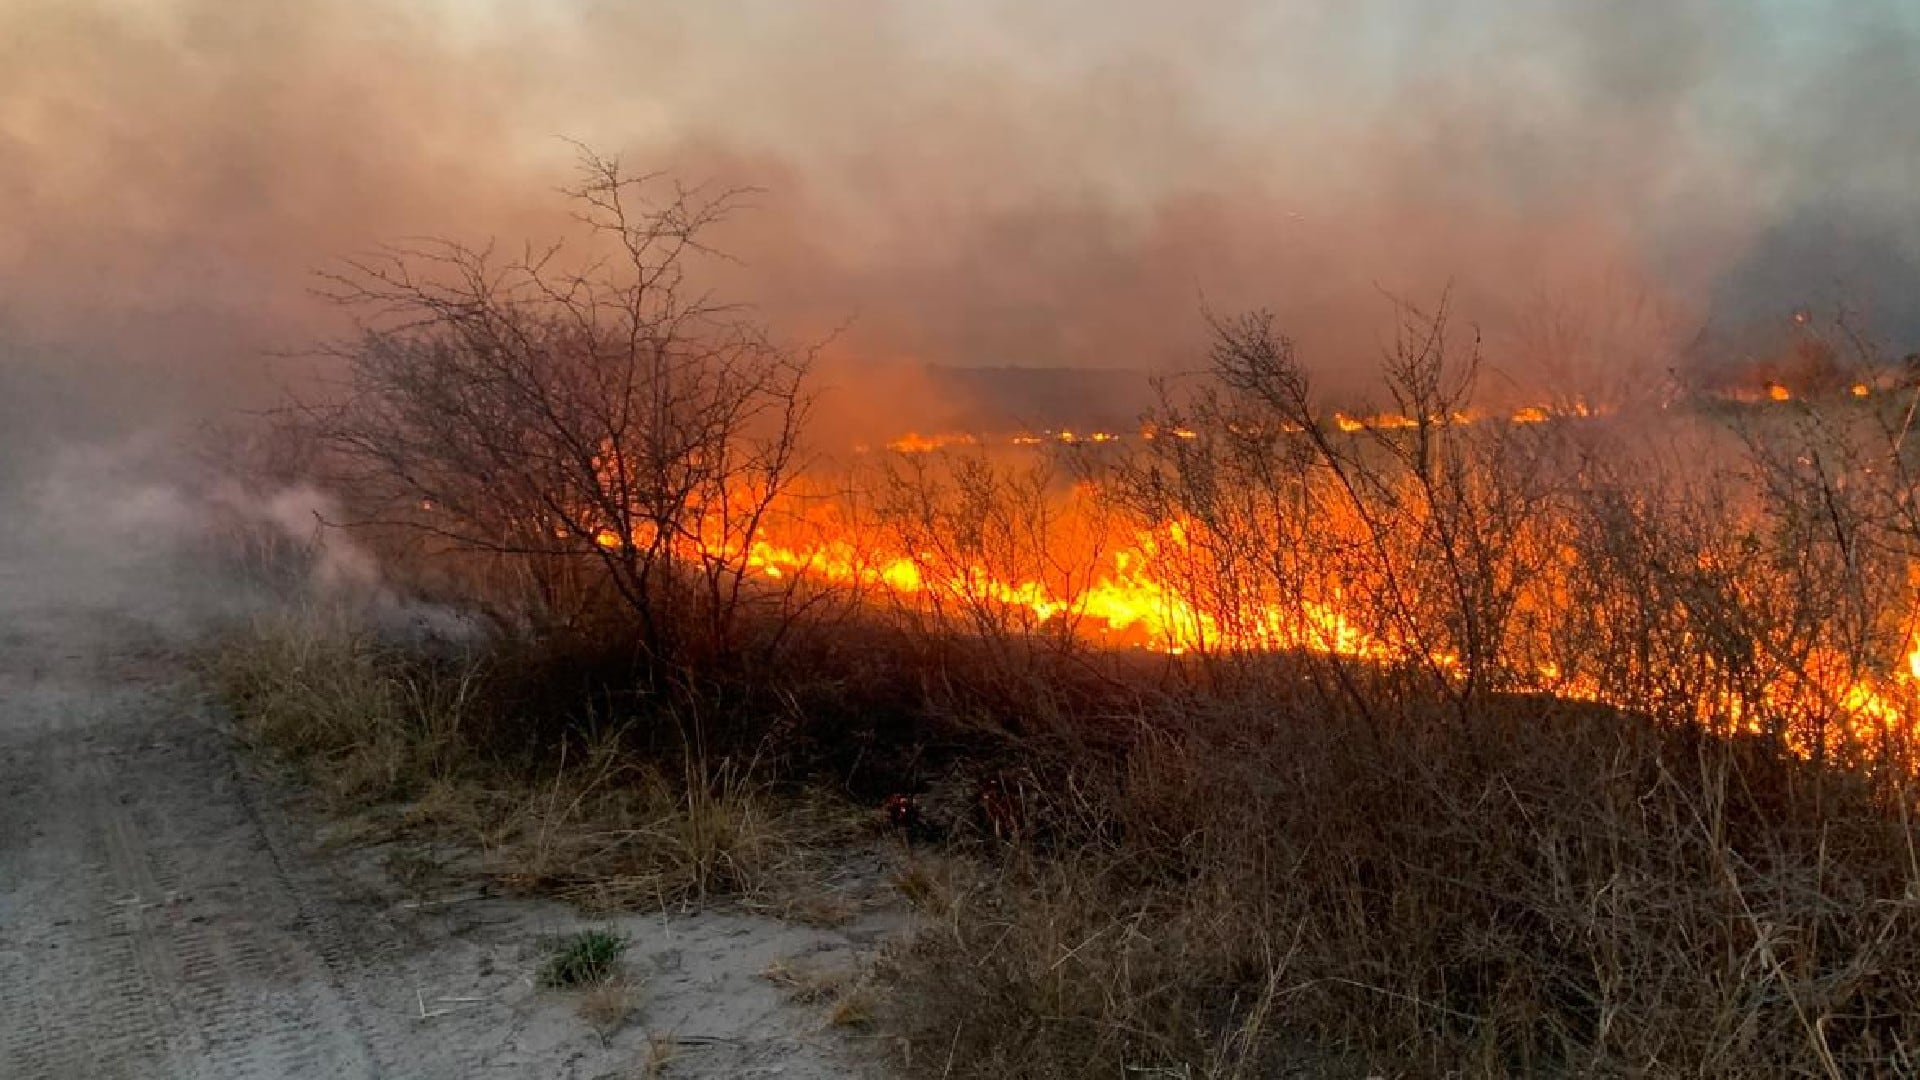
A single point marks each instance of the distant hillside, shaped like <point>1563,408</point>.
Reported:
<point>1035,398</point>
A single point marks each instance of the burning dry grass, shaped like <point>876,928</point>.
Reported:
<point>1211,869</point>
<point>1455,748</point>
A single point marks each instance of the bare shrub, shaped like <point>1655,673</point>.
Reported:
<point>1004,552</point>
<point>600,423</point>
<point>1415,538</point>
<point>1649,562</point>
<point>1836,476</point>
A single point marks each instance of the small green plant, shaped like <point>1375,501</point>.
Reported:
<point>586,958</point>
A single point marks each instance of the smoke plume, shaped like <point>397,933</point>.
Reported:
<point>961,182</point>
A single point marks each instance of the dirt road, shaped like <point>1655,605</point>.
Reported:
<point>164,915</point>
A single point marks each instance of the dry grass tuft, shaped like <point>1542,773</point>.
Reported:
<point>624,835</point>
<point>933,882</point>
<point>662,1051</point>
<point>847,995</point>
<point>361,721</point>
<point>609,1005</point>
<point>858,1006</point>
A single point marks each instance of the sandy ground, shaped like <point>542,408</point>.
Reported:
<point>163,913</point>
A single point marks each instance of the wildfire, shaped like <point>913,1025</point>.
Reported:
<point>1134,600</point>
<point>1530,414</point>
<point>1129,599</point>
<point>1151,432</point>
<point>1150,587</point>
<point>915,443</point>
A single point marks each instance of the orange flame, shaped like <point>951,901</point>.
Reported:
<point>1136,594</point>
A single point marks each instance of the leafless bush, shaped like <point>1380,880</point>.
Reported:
<point>1836,475</point>
<point>1649,562</point>
<point>603,422</point>
<point>1003,551</point>
<point>1413,538</point>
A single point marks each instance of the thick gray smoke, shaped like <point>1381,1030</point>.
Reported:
<point>970,181</point>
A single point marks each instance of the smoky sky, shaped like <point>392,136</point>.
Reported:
<point>972,182</point>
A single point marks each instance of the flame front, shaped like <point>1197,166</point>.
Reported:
<point>1122,581</point>
<point>1133,599</point>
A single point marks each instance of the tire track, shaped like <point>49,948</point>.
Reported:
<point>146,929</point>
<point>163,914</point>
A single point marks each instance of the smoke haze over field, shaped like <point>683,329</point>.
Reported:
<point>972,183</point>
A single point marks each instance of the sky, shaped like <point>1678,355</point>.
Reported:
<point>975,182</point>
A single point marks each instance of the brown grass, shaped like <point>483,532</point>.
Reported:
<point>662,1051</point>
<point>623,834</point>
<point>609,1005</point>
<point>378,730</point>
<point>846,995</point>
<point>363,722</point>
<point>1548,891</point>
